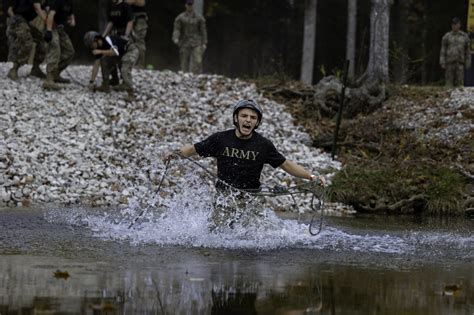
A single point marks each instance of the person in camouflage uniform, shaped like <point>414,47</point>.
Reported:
<point>23,36</point>
<point>8,8</point>
<point>190,34</point>
<point>140,28</point>
<point>455,55</point>
<point>109,52</point>
<point>60,48</point>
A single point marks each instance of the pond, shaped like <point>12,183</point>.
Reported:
<point>86,261</point>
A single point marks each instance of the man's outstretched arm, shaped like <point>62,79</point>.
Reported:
<point>299,171</point>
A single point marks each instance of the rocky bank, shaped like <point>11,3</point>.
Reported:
<point>412,153</point>
<point>79,147</point>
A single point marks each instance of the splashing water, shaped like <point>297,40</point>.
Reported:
<point>181,218</point>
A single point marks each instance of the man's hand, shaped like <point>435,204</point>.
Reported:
<point>96,52</point>
<point>168,156</point>
<point>175,41</point>
<point>125,37</point>
<point>320,180</point>
<point>204,47</point>
<point>48,36</point>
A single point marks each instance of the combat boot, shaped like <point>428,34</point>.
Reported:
<point>49,84</point>
<point>120,88</point>
<point>130,96</point>
<point>59,79</point>
<point>13,73</point>
<point>36,72</point>
<point>104,87</point>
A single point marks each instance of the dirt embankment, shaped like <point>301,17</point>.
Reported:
<point>413,154</point>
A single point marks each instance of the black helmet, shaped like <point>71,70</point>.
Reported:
<point>90,37</point>
<point>251,104</point>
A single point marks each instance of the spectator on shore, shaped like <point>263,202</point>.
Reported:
<point>140,28</point>
<point>60,50</point>
<point>23,35</point>
<point>455,55</point>
<point>190,34</point>
<point>110,52</point>
<point>120,24</point>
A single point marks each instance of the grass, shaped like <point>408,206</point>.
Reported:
<point>370,183</point>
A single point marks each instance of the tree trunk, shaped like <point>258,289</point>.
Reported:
<point>3,38</point>
<point>199,6</point>
<point>400,63</point>
<point>377,69</point>
<point>424,52</point>
<point>102,14</point>
<point>309,41</point>
<point>351,35</point>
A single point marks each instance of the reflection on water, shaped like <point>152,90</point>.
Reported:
<point>251,285</point>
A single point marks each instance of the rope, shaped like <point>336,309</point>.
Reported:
<point>167,164</point>
<point>279,191</point>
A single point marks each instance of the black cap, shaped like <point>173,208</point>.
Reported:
<point>455,20</point>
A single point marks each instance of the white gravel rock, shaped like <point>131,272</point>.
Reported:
<point>446,122</point>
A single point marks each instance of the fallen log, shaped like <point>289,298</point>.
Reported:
<point>411,205</point>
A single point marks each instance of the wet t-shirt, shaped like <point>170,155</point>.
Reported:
<point>120,14</point>
<point>240,161</point>
<point>113,41</point>
<point>63,9</point>
<point>25,8</point>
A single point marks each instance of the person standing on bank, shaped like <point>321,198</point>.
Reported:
<point>140,28</point>
<point>241,154</point>
<point>109,52</point>
<point>60,50</point>
<point>455,55</point>
<point>23,35</point>
<point>120,24</point>
<point>190,34</point>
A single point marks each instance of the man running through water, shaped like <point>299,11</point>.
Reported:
<point>241,154</point>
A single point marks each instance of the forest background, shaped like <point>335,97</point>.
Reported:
<point>255,38</point>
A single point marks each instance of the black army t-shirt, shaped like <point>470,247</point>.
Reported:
<point>63,9</point>
<point>240,161</point>
<point>25,8</point>
<point>120,14</point>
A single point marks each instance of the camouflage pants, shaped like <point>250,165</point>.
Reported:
<point>10,40</point>
<point>60,52</point>
<point>22,38</point>
<point>454,74</point>
<point>126,63</point>
<point>191,59</point>
<point>231,207</point>
<point>140,29</point>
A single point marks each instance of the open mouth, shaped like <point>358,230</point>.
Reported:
<point>246,127</point>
